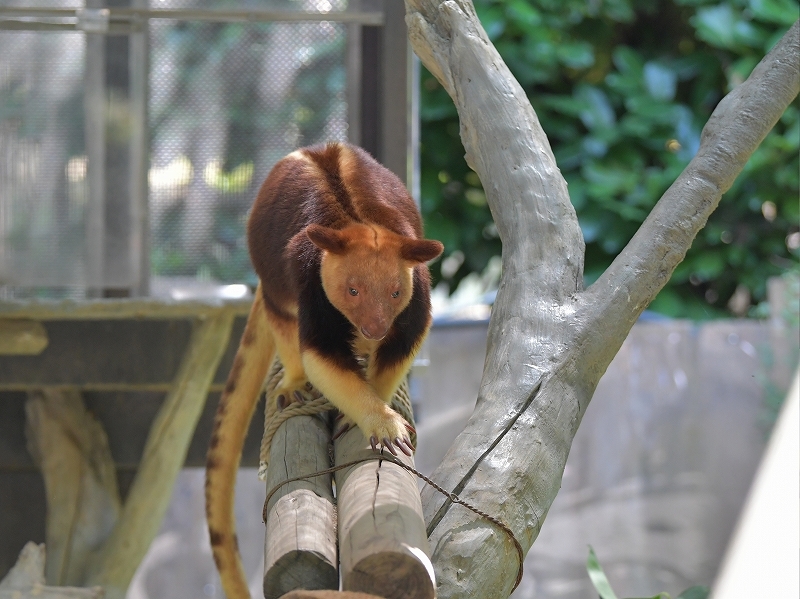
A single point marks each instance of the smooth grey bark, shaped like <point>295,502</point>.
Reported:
<point>549,340</point>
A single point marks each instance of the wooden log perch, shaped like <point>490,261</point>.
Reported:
<point>550,341</point>
<point>382,540</point>
<point>300,541</point>
<point>164,453</point>
<point>71,449</point>
<point>26,580</point>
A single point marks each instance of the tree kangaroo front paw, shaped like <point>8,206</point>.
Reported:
<point>388,429</point>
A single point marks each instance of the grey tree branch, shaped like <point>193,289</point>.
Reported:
<point>548,346</point>
<point>530,328</point>
<point>736,128</point>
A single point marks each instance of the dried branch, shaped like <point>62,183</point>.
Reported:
<point>71,449</point>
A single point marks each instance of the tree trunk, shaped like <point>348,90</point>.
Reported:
<point>549,340</point>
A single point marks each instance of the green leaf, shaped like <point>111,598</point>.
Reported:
<point>597,110</point>
<point>696,592</point>
<point>709,264</point>
<point>661,81</point>
<point>598,577</point>
<point>609,180</point>
<point>619,10</point>
<point>723,27</point>
<point>716,24</point>
<point>627,60</point>
<point>522,11</point>
<point>783,12</point>
<point>576,55</point>
<point>492,19</point>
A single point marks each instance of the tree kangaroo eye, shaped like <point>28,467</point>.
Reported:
<point>396,293</point>
<point>353,292</point>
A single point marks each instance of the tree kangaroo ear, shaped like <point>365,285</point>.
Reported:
<point>326,238</point>
<point>420,250</point>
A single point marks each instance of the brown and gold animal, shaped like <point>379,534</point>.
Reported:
<point>336,242</point>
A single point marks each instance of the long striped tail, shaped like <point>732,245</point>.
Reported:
<point>232,420</point>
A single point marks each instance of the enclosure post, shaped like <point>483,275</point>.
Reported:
<point>300,541</point>
<point>382,541</point>
<point>94,108</point>
<point>139,66</point>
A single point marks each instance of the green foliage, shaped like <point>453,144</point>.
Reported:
<point>622,89</point>
<point>604,590</point>
<point>599,578</point>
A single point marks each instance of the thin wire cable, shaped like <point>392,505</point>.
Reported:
<point>451,496</point>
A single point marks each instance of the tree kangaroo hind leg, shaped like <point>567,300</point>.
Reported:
<point>287,344</point>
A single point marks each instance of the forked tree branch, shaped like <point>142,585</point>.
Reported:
<point>736,128</point>
<point>550,342</point>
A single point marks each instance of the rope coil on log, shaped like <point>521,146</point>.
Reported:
<point>314,404</point>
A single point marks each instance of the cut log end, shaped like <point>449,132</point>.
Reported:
<point>300,569</point>
<point>393,575</point>
<point>384,547</point>
<point>300,542</point>
<point>303,594</point>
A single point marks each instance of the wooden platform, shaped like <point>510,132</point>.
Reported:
<point>123,355</point>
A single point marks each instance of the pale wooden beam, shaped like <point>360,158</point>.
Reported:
<point>382,539</point>
<point>300,542</point>
<point>20,337</point>
<point>118,309</point>
<point>164,454</point>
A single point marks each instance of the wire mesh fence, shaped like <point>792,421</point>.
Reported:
<point>227,101</point>
<point>42,198</point>
<point>224,101</point>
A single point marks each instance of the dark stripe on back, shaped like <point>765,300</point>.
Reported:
<point>327,159</point>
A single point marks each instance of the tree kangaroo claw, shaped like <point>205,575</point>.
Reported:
<point>399,442</point>
<point>388,445</point>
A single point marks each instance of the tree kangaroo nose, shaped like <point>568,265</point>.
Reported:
<point>376,331</point>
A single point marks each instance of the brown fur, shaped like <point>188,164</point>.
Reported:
<point>336,241</point>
